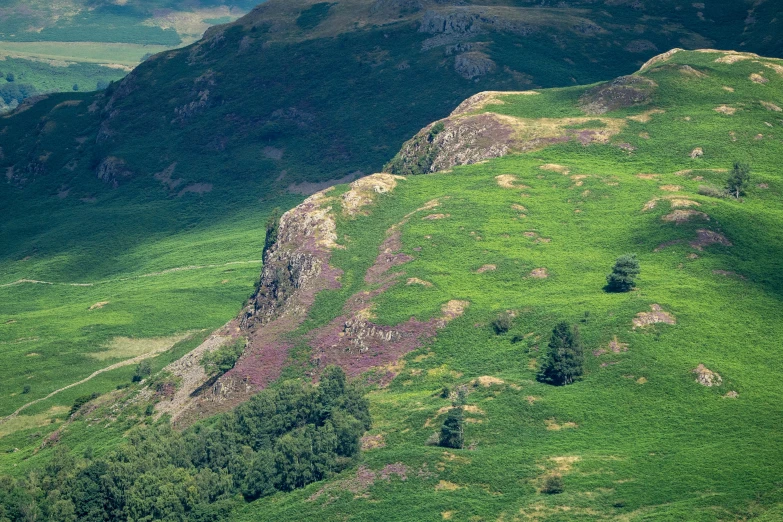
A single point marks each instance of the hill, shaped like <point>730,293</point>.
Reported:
<point>675,418</point>
<point>403,280</point>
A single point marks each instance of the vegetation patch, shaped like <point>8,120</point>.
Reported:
<point>127,347</point>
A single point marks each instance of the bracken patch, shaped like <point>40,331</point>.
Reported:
<point>682,216</point>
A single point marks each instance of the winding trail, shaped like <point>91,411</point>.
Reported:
<point>94,374</point>
<point>151,274</point>
<point>127,362</point>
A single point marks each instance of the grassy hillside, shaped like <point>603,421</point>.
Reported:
<point>533,234</point>
<point>180,164</point>
<point>639,438</point>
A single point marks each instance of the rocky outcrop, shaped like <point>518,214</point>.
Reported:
<point>626,91</point>
<point>453,142</point>
<point>297,265</point>
<point>464,139</point>
<point>460,23</point>
<point>707,377</point>
<point>474,64</point>
<point>111,170</point>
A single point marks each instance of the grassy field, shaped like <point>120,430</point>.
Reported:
<point>56,46</point>
<point>136,285</point>
<point>80,52</point>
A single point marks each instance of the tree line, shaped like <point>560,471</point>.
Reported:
<point>281,439</point>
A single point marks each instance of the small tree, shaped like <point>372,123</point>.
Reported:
<point>739,179</point>
<point>502,323</point>
<point>451,433</point>
<point>142,370</point>
<point>564,360</point>
<point>625,270</point>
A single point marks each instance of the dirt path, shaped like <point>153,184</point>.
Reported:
<point>114,366</point>
<point>152,274</point>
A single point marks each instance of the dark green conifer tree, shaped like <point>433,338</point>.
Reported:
<point>564,359</point>
<point>452,433</point>
<point>624,272</point>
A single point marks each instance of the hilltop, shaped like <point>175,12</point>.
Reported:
<point>516,205</point>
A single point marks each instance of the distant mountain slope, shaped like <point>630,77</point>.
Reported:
<point>298,93</point>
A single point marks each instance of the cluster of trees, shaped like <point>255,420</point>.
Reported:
<point>280,440</point>
<point>14,93</point>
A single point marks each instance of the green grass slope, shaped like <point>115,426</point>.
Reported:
<point>179,164</point>
<point>638,438</point>
<point>158,201</point>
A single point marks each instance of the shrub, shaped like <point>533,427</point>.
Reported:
<point>625,270</point>
<point>81,401</point>
<point>223,359</point>
<point>26,389</point>
<point>502,323</point>
<point>272,227</point>
<point>142,370</point>
<point>451,433</point>
<point>711,191</point>
<point>564,360</point>
<point>553,485</point>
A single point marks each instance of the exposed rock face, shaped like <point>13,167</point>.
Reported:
<point>473,65</point>
<point>461,23</point>
<point>293,265</point>
<point>111,170</point>
<point>707,377</point>
<point>657,315</point>
<point>364,191</point>
<point>459,142</point>
<point>466,139</point>
<point>626,91</point>
<point>450,23</point>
